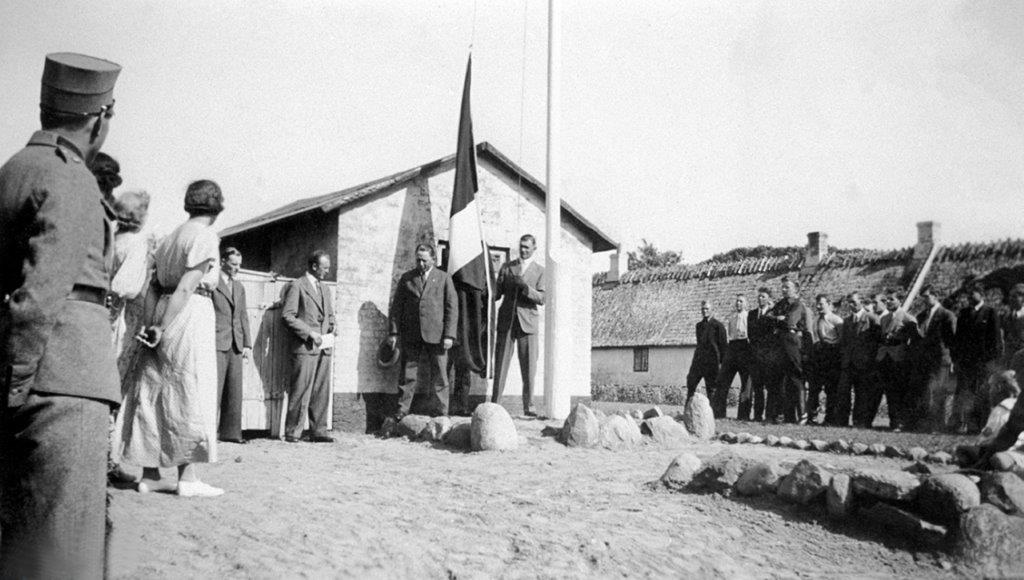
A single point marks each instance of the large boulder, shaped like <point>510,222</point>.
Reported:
<point>1003,490</point>
<point>412,426</point>
<point>917,453</point>
<point>618,432</point>
<point>839,496</point>
<point>698,417</point>
<point>805,484</point>
<point>758,479</point>
<point>889,484</point>
<point>492,429</point>
<point>666,431</point>
<point>582,428</point>
<point>720,473</point>
<point>903,523</point>
<point>680,471</point>
<point>990,541</point>
<point>459,436</point>
<point>942,498</point>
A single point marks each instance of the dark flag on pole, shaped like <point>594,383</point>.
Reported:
<point>467,254</point>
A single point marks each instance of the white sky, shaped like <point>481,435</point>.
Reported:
<point>700,126</point>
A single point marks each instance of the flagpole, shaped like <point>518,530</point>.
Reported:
<point>556,394</point>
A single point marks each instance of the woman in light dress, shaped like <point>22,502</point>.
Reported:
<point>169,415</point>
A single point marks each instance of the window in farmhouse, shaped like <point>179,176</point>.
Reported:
<point>640,360</point>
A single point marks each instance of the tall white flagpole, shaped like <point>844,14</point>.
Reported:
<point>556,305</point>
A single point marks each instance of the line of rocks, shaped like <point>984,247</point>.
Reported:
<point>979,516</point>
<point>586,427</point>
<point>841,446</point>
<point>489,429</point>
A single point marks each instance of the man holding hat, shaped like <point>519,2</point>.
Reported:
<point>58,378</point>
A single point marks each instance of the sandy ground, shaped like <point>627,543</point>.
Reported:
<point>371,508</point>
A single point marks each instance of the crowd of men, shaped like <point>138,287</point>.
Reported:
<point>931,368</point>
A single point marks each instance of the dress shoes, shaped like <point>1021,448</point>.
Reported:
<point>290,439</point>
<point>322,439</point>
<point>238,441</point>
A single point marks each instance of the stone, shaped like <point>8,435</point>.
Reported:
<point>492,429</point>
<point>893,451</point>
<point>887,484</point>
<point>719,473</point>
<point>989,541</point>
<point>917,453</point>
<point>460,436</point>
<point>618,432</point>
<point>919,468</point>
<point>652,413</point>
<point>666,431</point>
<point>728,437</point>
<point>785,441</point>
<point>839,496</point>
<point>876,449</point>
<point>904,523</point>
<point>800,444</point>
<point>581,428</point>
<point>839,446</point>
<point>698,417</point>
<point>758,479</point>
<point>771,440</point>
<point>805,484</point>
<point>412,426</point>
<point>942,498</point>
<point>637,415</point>
<point>601,416</point>
<point>1004,490</point>
<point>437,428</point>
<point>859,449</point>
<point>818,445</point>
<point>755,440</point>
<point>743,437</point>
<point>680,471</point>
<point>940,457</point>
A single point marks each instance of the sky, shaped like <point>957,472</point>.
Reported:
<point>698,126</point>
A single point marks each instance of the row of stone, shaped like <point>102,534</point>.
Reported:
<point>981,514</point>
<point>489,429</point>
<point>841,446</point>
<point>585,427</point>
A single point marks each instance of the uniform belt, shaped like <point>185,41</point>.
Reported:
<point>200,290</point>
<point>90,294</point>
<point>739,341</point>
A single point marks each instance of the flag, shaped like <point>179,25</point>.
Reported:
<point>467,254</point>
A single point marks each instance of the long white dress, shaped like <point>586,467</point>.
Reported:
<point>132,263</point>
<point>169,414</point>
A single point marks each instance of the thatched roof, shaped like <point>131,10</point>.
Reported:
<point>661,306</point>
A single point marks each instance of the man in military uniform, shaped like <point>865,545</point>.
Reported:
<point>59,378</point>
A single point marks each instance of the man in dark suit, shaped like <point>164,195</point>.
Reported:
<point>763,369</point>
<point>309,312</point>
<point>233,345</point>
<point>424,314</point>
<point>707,357</point>
<point>521,284</point>
<point>790,326</point>
<point>58,378</point>
<point>897,329</point>
<point>858,344</point>
<point>932,362</point>
<point>978,345</point>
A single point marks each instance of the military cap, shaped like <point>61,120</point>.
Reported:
<point>78,84</point>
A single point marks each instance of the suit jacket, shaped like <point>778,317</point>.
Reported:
<point>937,337</point>
<point>424,310</point>
<point>859,341</point>
<point>711,341</point>
<point>522,303</point>
<point>232,321</point>
<point>897,330</point>
<point>978,339</point>
<point>307,310</point>
<point>760,328</point>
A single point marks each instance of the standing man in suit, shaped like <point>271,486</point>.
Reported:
<point>309,313</point>
<point>859,345</point>
<point>712,342</point>
<point>760,331</point>
<point>978,347</point>
<point>790,327</point>
<point>932,361</point>
<point>897,328</point>
<point>233,345</point>
<point>424,314</point>
<point>826,360</point>
<point>521,284</point>
<point>58,378</point>
<point>738,357</point>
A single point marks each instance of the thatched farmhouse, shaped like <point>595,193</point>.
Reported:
<point>644,320</point>
<point>370,232</point>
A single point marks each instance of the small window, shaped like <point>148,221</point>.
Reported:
<point>640,359</point>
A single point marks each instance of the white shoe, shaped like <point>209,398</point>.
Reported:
<point>198,489</point>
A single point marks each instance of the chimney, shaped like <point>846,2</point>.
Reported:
<point>615,269</point>
<point>927,237</point>
<point>817,248</point>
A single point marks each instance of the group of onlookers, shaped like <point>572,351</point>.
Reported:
<point>933,369</point>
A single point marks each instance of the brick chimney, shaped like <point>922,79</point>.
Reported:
<point>928,234</point>
<point>816,250</point>
<point>616,267</point>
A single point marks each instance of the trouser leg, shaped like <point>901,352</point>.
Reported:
<point>230,399</point>
<point>320,395</point>
<point>840,402</point>
<point>434,377</point>
<point>527,346</point>
<point>502,359</point>
<point>303,372</point>
<point>53,467</point>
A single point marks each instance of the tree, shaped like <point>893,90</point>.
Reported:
<point>647,256</point>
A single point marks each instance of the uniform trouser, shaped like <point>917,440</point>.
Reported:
<point>527,347</point>
<point>53,457</point>
<point>738,359</point>
<point>431,377</point>
<point>865,387</point>
<point>971,399</point>
<point>229,394</point>
<point>794,394</point>
<point>311,393</point>
<point>707,370</point>
<point>826,368</point>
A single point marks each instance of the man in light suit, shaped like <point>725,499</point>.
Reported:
<point>233,345</point>
<point>309,313</point>
<point>521,284</point>
<point>424,314</point>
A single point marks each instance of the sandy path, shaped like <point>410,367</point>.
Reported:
<point>364,507</point>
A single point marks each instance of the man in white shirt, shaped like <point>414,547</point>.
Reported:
<point>738,356</point>
<point>826,360</point>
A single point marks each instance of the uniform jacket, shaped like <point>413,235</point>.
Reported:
<point>232,319</point>
<point>55,232</point>
<point>937,338</point>
<point>711,341</point>
<point>307,310</point>
<point>523,302</point>
<point>760,328</point>
<point>424,310</point>
<point>978,339</point>
<point>859,341</point>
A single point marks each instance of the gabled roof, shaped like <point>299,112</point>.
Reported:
<point>332,201</point>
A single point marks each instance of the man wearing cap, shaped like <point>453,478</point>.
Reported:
<point>59,379</point>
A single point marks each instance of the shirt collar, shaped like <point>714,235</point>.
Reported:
<point>225,278</point>
<point>979,305</point>
<point>312,280</point>
<point>525,263</point>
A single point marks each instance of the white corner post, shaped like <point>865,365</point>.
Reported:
<point>557,341</point>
